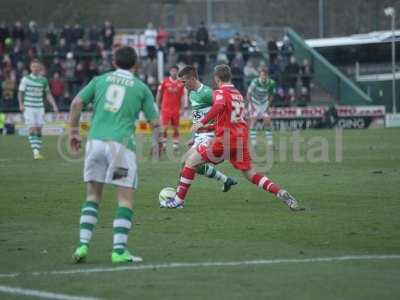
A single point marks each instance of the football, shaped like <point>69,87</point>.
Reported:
<point>166,193</point>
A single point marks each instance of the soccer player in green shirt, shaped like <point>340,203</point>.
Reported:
<point>117,97</point>
<point>259,96</point>
<point>32,89</point>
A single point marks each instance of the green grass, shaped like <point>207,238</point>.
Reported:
<point>352,209</point>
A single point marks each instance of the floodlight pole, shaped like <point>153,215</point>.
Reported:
<point>394,109</point>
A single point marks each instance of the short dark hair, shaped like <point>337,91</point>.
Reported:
<point>223,72</point>
<point>189,71</point>
<point>36,61</point>
<point>174,67</point>
<point>263,70</point>
<point>125,57</point>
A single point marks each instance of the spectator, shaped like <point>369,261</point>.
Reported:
<point>150,40</point>
<point>51,34</point>
<point>202,34</point>
<point>92,70</point>
<point>245,48</point>
<point>107,33</point>
<point>274,70</point>
<point>306,74</point>
<point>213,48</point>
<point>291,97</point>
<point>305,97</point>
<point>18,32</point>
<point>69,71</point>
<point>77,33</point>
<point>231,50</point>
<point>57,87</point>
<point>8,87</point>
<point>250,72</point>
<point>33,33</point>
<point>272,50</point>
<point>93,34</point>
<point>200,51</point>
<point>150,68</point>
<point>291,73</point>
<point>80,77</point>
<point>105,64</point>
<point>48,52</point>
<point>62,49</point>
<point>67,34</point>
<point>162,36</point>
<point>286,50</point>
<point>55,67</point>
<point>4,33</point>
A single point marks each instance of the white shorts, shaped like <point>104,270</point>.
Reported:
<point>34,117</point>
<point>260,111</point>
<point>110,162</point>
<point>201,138</point>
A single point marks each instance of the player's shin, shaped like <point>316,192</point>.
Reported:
<point>121,226</point>
<point>211,171</point>
<point>265,183</point>
<point>187,176</point>
<point>87,221</point>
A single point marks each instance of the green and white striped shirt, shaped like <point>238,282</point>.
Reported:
<point>35,89</point>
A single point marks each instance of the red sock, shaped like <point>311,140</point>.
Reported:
<point>264,182</point>
<point>187,176</point>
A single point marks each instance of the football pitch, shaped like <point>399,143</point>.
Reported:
<point>244,244</point>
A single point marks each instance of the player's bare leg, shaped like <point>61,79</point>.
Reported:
<point>88,220</point>
<point>210,171</point>
<point>268,132</point>
<point>175,138</point>
<point>253,129</point>
<point>188,173</point>
<point>122,225</point>
<point>266,184</point>
<point>164,138</point>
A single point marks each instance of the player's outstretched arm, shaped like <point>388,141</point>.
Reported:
<point>74,117</point>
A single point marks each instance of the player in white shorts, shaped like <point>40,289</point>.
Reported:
<point>33,88</point>
<point>259,96</point>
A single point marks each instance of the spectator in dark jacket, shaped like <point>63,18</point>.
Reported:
<point>202,34</point>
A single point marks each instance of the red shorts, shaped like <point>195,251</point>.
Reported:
<point>215,152</point>
<point>170,118</point>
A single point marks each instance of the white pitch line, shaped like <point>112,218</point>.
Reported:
<point>208,264</point>
<point>41,294</point>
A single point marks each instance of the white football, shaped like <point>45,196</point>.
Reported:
<point>166,193</point>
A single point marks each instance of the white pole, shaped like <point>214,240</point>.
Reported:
<point>160,66</point>
<point>394,109</point>
<point>321,18</point>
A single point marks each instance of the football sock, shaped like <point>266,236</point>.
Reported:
<point>121,227</point>
<point>268,136</point>
<point>253,135</point>
<point>211,171</point>
<point>39,140</point>
<point>187,176</point>
<point>87,221</point>
<point>265,183</point>
<point>34,141</point>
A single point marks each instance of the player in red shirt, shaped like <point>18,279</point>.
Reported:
<point>230,143</point>
<point>170,98</point>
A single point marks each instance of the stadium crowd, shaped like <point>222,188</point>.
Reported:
<point>72,55</point>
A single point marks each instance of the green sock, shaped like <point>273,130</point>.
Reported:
<point>121,227</point>
<point>87,221</point>
<point>253,135</point>
<point>34,141</point>
<point>211,171</point>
